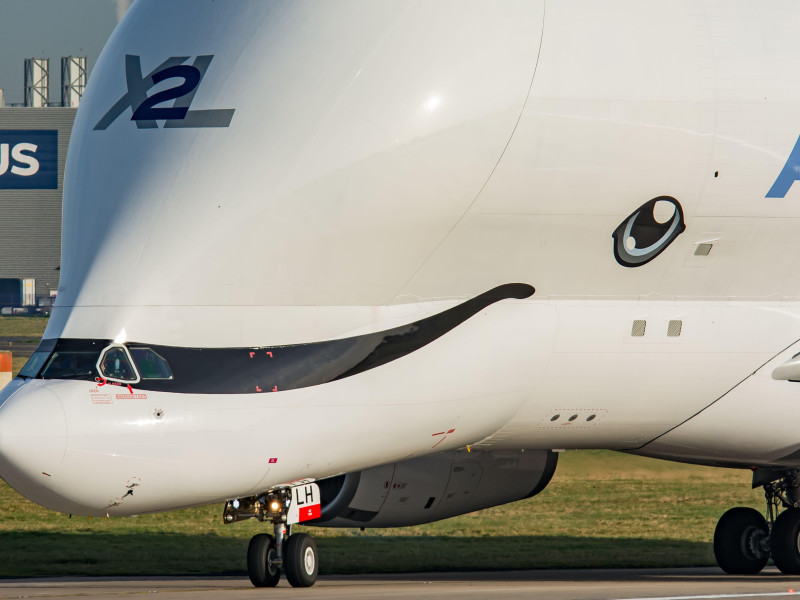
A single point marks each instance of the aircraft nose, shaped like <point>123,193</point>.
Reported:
<point>33,436</point>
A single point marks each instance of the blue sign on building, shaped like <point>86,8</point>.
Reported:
<point>28,159</point>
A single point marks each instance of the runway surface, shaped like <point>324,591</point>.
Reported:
<point>610,584</point>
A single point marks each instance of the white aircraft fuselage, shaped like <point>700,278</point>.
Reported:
<point>365,233</point>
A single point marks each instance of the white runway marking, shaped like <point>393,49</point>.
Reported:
<point>715,596</point>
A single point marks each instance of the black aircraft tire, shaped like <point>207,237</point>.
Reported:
<point>737,541</point>
<point>260,551</point>
<point>785,542</point>
<point>301,560</point>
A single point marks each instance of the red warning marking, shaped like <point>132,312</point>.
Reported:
<point>252,354</point>
<point>269,354</point>
<point>273,460</point>
<point>312,512</point>
<point>130,389</point>
<point>275,389</point>
<point>442,433</point>
<point>258,389</point>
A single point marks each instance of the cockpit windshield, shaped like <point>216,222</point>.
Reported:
<point>150,364</point>
<point>88,360</point>
<point>70,365</point>
<point>34,364</point>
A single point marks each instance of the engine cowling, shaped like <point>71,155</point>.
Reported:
<point>434,487</point>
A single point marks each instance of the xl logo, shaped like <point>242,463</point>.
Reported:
<point>147,109</point>
<point>28,159</point>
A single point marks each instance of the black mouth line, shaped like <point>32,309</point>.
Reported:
<point>281,368</point>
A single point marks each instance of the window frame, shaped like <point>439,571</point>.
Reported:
<point>130,361</point>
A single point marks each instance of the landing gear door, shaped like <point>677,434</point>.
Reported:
<point>305,504</point>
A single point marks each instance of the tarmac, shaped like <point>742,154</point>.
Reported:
<point>22,346</point>
<point>572,584</point>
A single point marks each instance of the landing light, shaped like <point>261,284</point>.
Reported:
<point>275,506</point>
<point>235,504</point>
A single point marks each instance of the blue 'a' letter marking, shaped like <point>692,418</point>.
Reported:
<point>788,175</point>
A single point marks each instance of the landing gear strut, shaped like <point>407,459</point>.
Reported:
<point>269,555</point>
<point>744,540</point>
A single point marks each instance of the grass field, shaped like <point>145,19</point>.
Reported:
<point>602,509</point>
<point>23,326</point>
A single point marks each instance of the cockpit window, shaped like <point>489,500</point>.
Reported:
<point>150,364</point>
<point>34,364</point>
<point>69,365</point>
<point>115,365</point>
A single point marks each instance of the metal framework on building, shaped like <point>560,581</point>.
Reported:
<point>37,82</point>
<point>73,80</point>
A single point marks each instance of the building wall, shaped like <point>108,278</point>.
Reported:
<point>30,219</point>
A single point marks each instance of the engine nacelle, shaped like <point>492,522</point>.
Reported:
<point>434,487</point>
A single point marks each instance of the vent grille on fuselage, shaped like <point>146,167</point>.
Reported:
<point>639,325</point>
<point>674,328</point>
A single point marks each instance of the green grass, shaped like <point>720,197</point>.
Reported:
<point>602,509</point>
<point>23,326</point>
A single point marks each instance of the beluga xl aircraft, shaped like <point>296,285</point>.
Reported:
<point>366,264</point>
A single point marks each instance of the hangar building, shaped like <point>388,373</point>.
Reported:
<point>33,149</point>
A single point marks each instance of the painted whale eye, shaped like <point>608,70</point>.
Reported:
<point>648,231</point>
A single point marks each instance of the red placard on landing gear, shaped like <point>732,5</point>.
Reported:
<point>305,504</point>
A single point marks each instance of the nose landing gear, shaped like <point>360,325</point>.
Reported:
<point>268,555</point>
<point>744,540</point>
<point>262,561</point>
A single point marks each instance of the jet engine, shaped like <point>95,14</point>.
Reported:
<point>434,487</point>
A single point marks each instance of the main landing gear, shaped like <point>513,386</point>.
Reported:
<point>744,540</point>
<point>269,555</point>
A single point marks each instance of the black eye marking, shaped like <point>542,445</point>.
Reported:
<point>649,237</point>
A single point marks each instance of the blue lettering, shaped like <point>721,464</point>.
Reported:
<point>788,175</point>
<point>144,108</point>
<point>28,159</point>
